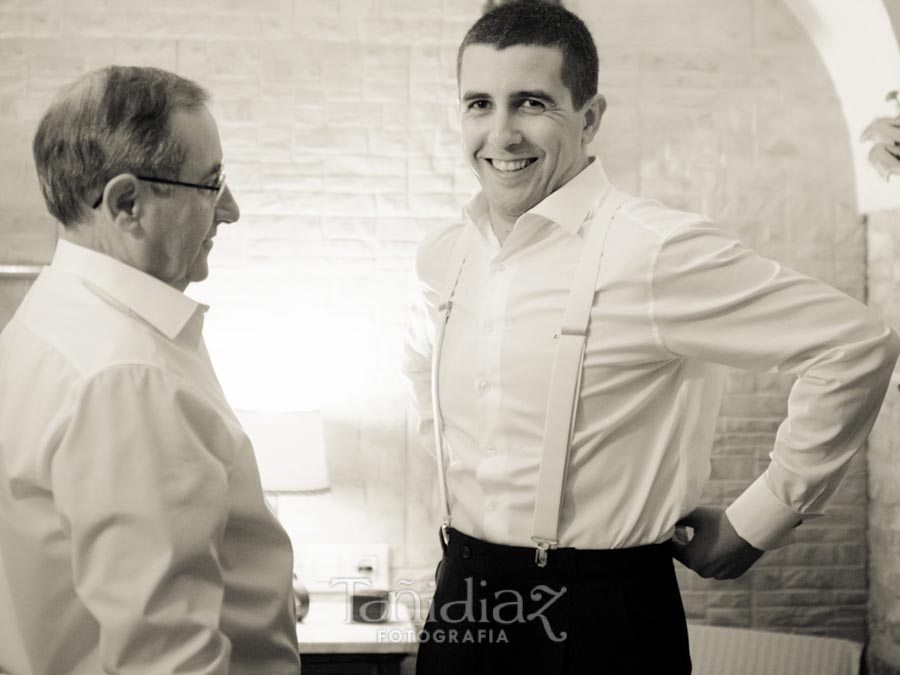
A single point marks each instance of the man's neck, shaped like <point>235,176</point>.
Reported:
<point>90,235</point>
<point>501,225</point>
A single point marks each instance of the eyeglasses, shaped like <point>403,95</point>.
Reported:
<point>218,187</point>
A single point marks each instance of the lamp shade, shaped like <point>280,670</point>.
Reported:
<point>289,448</point>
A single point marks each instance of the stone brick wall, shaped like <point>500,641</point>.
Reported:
<point>884,461</point>
<point>338,121</point>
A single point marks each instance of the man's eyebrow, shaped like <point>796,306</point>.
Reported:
<point>475,96</point>
<point>532,93</point>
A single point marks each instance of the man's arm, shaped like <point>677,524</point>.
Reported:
<point>432,259</point>
<point>714,299</point>
<point>416,364</point>
<point>140,479</point>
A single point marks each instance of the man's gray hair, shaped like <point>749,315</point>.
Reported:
<point>111,121</point>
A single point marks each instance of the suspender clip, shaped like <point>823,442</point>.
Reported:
<point>569,330</point>
<point>445,531</point>
<point>540,553</point>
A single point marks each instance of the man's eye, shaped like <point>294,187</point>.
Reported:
<point>479,104</point>
<point>532,104</point>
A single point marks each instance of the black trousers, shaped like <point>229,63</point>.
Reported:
<point>615,612</point>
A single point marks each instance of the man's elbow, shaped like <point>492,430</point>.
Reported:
<point>891,347</point>
<point>880,355</point>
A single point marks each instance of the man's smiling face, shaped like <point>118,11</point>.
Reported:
<point>521,133</point>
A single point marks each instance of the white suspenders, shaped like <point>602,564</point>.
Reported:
<point>565,381</point>
<point>457,260</point>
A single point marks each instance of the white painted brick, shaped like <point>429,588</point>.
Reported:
<point>393,31</point>
<point>342,115</point>
<point>326,28</point>
<point>427,11</point>
<point>365,184</point>
<point>390,143</point>
<point>740,618</point>
<point>392,88</point>
<point>340,130</point>
<point>326,140</point>
<point>793,617</point>
<point>392,204</point>
<point>431,184</point>
<point>453,31</point>
<point>371,164</point>
<point>306,8</point>
<point>358,8</point>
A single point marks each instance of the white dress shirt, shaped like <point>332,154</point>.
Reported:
<point>134,536</point>
<point>676,299</point>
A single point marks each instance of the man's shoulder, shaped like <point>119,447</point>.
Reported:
<point>656,219</point>
<point>434,252</point>
<point>67,319</point>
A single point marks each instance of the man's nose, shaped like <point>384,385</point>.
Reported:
<point>227,210</point>
<point>504,130</point>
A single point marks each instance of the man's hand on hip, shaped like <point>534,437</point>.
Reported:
<point>715,550</point>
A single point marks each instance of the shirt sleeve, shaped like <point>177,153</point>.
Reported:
<point>432,259</point>
<point>416,363</point>
<point>716,300</point>
<point>140,480</point>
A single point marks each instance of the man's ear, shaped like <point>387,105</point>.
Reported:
<point>122,200</point>
<point>593,112</point>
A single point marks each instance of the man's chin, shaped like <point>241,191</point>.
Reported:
<point>198,275</point>
<point>199,270</point>
<point>511,208</point>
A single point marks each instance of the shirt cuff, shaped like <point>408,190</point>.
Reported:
<point>761,518</point>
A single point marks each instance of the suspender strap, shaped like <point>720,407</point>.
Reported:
<point>565,382</point>
<point>457,260</point>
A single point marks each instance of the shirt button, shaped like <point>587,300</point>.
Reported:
<point>491,452</point>
<point>484,385</point>
<point>488,326</point>
<point>499,267</point>
<point>466,552</point>
<point>492,505</point>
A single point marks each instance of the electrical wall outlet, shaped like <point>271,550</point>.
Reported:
<point>338,568</point>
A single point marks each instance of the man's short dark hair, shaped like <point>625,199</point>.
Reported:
<point>111,121</point>
<point>532,22</point>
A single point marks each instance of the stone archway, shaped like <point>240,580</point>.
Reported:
<point>859,49</point>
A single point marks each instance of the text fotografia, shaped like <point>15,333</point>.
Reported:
<point>488,613</point>
<point>439,635</point>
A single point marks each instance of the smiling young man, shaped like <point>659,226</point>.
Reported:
<point>566,366</point>
<point>134,537</point>
<point>524,132</point>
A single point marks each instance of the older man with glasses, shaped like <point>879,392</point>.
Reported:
<point>134,536</point>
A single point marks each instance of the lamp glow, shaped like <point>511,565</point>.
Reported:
<point>289,448</point>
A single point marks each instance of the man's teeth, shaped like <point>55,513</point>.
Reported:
<point>502,165</point>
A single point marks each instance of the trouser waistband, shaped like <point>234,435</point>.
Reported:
<point>479,555</point>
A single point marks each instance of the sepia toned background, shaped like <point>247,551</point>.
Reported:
<point>339,126</point>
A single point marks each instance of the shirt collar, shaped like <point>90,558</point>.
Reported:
<point>568,206</point>
<point>163,307</point>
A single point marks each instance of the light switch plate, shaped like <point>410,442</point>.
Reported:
<point>338,568</point>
